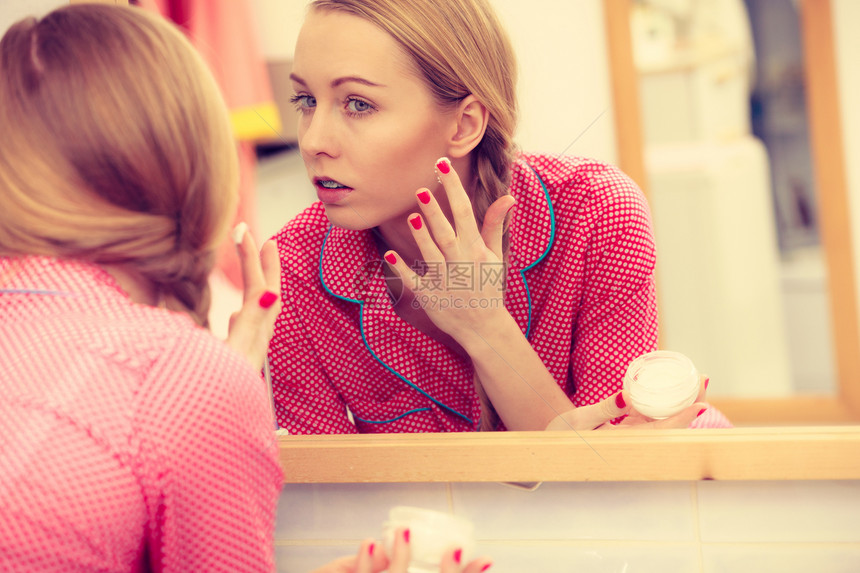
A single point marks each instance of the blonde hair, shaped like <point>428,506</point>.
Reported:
<point>116,148</point>
<point>459,48</point>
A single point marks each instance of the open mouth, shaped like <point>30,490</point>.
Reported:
<point>330,191</point>
<point>330,184</point>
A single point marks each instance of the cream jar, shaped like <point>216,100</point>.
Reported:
<point>431,533</point>
<point>661,383</point>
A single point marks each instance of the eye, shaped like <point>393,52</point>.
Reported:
<point>355,106</point>
<point>303,103</point>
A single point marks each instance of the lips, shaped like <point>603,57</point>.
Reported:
<point>330,191</point>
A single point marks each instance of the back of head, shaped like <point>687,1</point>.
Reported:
<point>459,48</point>
<point>116,148</point>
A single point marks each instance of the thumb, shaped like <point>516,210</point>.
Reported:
<point>592,416</point>
<point>494,223</point>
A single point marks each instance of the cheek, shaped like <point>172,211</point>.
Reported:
<point>406,156</point>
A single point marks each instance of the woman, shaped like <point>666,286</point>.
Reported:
<point>132,439</point>
<point>516,288</point>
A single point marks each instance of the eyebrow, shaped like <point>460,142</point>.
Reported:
<point>338,81</point>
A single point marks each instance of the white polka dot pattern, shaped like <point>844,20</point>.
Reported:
<point>131,439</point>
<point>585,295</point>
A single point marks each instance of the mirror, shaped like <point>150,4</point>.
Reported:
<point>800,452</point>
<point>564,109</point>
<point>831,186</point>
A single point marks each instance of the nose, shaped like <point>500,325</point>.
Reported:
<point>317,134</point>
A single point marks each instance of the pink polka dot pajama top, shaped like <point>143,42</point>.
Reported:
<point>130,438</point>
<point>580,284</point>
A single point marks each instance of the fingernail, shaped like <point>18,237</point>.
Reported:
<point>458,555</point>
<point>619,401</point>
<point>485,567</point>
<point>390,258</point>
<point>267,299</point>
<point>239,232</point>
<point>424,196</point>
<point>444,165</point>
<point>702,411</point>
<point>406,535</point>
<point>707,381</point>
<point>370,549</point>
<point>415,221</point>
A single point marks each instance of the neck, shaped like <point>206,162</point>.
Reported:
<point>138,288</point>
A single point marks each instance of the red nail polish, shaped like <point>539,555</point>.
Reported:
<point>390,258</point>
<point>370,549</point>
<point>485,567</point>
<point>707,381</point>
<point>406,535</point>
<point>443,166</point>
<point>702,411</point>
<point>267,299</point>
<point>619,401</point>
<point>415,221</point>
<point>424,196</point>
<point>458,555</point>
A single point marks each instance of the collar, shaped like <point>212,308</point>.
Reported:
<point>532,224</point>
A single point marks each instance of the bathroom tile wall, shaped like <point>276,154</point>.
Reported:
<point>607,527</point>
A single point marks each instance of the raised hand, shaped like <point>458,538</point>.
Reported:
<point>252,326</point>
<point>462,289</point>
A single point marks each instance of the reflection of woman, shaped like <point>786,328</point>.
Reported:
<point>131,439</point>
<point>480,324</point>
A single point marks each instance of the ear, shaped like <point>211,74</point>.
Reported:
<point>471,119</point>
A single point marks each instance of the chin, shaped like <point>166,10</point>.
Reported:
<point>347,218</point>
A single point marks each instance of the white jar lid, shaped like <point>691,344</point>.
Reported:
<point>661,383</point>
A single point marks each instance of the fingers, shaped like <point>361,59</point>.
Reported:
<point>270,267</point>
<point>703,390</point>
<point>398,561</point>
<point>260,269</point>
<point>683,419</point>
<point>443,243</point>
<point>371,557</point>
<point>409,278</point>
<point>478,565</point>
<point>459,202</point>
<point>400,553</point>
<point>252,326</point>
<point>252,273</point>
<point>451,560</point>
<point>444,237</point>
<point>590,417</point>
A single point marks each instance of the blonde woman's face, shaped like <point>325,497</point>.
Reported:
<point>369,130</point>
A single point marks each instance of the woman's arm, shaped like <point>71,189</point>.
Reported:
<point>206,460</point>
<point>524,393</point>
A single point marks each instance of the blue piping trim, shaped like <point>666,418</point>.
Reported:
<point>372,353</point>
<point>403,415</point>
<point>34,291</point>
<point>548,247</point>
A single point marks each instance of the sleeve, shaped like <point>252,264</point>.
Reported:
<point>207,461</point>
<point>618,314</point>
<point>306,401</point>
